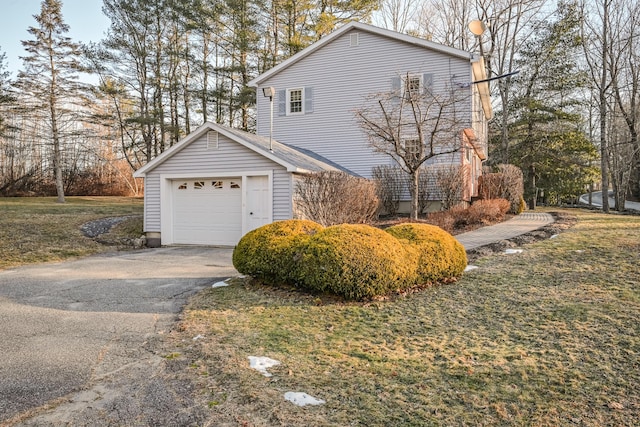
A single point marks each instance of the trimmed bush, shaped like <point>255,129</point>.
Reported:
<point>440,255</point>
<point>487,211</point>
<point>271,253</point>
<point>356,262</point>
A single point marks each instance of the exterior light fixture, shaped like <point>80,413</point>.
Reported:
<point>269,91</point>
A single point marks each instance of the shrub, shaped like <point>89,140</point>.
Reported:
<point>334,197</point>
<point>488,211</point>
<point>450,182</point>
<point>442,219</point>
<point>507,183</point>
<point>270,253</point>
<point>390,181</point>
<point>356,262</point>
<point>440,255</point>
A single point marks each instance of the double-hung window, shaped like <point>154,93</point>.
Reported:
<point>295,101</point>
<point>412,148</point>
<point>412,85</point>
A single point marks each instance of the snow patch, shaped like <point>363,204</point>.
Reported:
<point>554,236</point>
<point>198,337</point>
<point>470,267</point>
<point>513,251</point>
<point>302,399</point>
<point>220,284</point>
<point>261,364</point>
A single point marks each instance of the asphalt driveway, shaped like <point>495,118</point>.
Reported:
<point>65,328</point>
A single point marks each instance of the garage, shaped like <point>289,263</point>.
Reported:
<point>207,211</point>
<point>219,183</point>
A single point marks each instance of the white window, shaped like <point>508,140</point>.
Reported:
<point>412,86</point>
<point>295,101</point>
<point>412,147</point>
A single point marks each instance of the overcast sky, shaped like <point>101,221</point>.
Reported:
<point>84,17</point>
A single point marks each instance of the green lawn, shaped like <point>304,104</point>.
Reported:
<point>547,337</point>
<point>37,229</point>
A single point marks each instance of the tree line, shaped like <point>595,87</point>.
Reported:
<point>166,66</point>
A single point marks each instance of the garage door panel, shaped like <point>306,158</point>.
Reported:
<point>207,211</point>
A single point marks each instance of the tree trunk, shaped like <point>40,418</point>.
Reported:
<point>604,149</point>
<point>415,183</point>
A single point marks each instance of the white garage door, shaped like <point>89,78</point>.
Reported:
<point>207,211</point>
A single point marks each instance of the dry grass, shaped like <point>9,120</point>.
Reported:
<point>38,229</point>
<point>548,337</point>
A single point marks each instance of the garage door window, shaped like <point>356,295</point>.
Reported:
<point>235,184</point>
<point>217,184</point>
<point>198,185</point>
<point>182,186</point>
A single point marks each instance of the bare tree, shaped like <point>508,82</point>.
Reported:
<point>611,48</point>
<point>397,15</point>
<point>415,124</point>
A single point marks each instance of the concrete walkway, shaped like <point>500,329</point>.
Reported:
<point>521,224</point>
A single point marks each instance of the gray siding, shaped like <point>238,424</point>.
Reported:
<point>196,160</point>
<point>341,77</point>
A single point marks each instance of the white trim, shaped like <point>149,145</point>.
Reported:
<point>295,113</point>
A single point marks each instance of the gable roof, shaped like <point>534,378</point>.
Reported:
<point>361,27</point>
<point>292,158</point>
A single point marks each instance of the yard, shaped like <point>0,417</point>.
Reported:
<point>37,229</point>
<point>546,337</point>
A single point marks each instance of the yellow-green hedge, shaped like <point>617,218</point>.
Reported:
<point>270,253</point>
<point>353,261</point>
<point>440,255</point>
<point>356,261</point>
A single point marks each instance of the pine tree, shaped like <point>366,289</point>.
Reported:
<point>548,141</point>
<point>49,77</point>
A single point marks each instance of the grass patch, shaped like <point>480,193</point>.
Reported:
<point>548,337</point>
<point>37,229</point>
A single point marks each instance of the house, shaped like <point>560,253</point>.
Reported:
<point>319,89</point>
<point>219,183</point>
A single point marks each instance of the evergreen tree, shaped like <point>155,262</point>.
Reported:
<point>49,77</point>
<point>5,94</point>
<point>547,138</point>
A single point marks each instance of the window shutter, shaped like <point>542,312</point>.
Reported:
<point>308,100</point>
<point>282,102</point>
<point>396,85</point>
<point>427,82</point>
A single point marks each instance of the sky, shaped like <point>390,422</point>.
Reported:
<point>84,17</point>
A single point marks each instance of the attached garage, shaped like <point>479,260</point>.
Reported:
<point>217,184</point>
